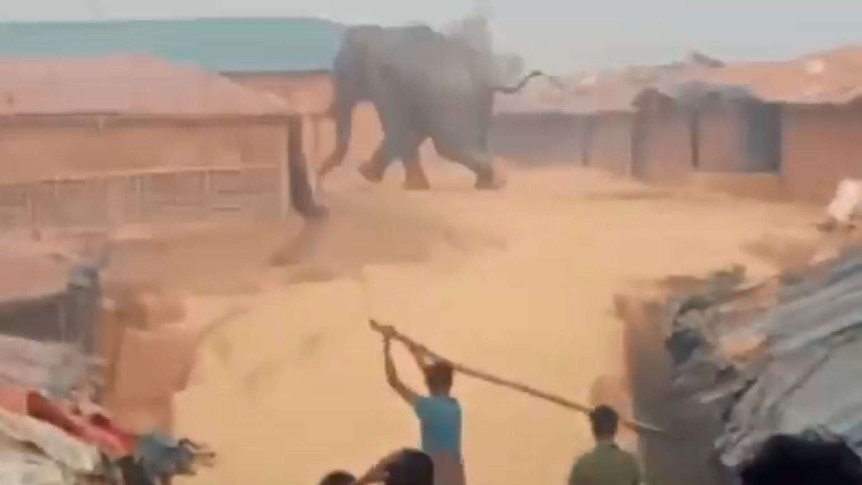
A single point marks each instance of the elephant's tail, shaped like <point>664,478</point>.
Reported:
<point>526,79</point>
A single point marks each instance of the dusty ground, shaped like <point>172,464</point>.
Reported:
<point>518,282</point>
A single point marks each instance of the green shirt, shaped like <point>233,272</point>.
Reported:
<point>607,464</point>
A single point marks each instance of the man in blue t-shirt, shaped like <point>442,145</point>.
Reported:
<point>439,413</point>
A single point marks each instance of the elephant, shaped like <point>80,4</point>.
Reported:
<point>423,85</point>
<point>374,169</point>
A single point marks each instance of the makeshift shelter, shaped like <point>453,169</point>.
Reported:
<point>290,57</point>
<point>651,141</point>
<point>744,360</point>
<point>109,140</point>
<point>48,327</point>
<point>799,119</point>
<point>605,103</point>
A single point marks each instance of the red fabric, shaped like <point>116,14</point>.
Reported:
<point>44,410</point>
<point>107,439</point>
<point>98,432</point>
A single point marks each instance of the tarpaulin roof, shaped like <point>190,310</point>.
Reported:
<point>790,368</point>
<point>125,85</point>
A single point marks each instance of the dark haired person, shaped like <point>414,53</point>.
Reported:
<point>606,464</point>
<point>439,413</point>
<point>338,477</point>
<point>403,467</point>
<point>790,460</point>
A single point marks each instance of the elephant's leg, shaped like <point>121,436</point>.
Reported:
<point>374,169</point>
<point>331,162</point>
<point>476,160</point>
<point>401,140</point>
<point>414,175</point>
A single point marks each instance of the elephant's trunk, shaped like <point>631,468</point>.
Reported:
<point>523,82</point>
<point>341,111</point>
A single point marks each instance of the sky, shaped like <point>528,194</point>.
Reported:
<point>558,35</point>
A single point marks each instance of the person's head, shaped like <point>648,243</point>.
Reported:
<point>412,467</point>
<point>604,421</point>
<point>790,460</point>
<point>438,377</point>
<point>338,477</point>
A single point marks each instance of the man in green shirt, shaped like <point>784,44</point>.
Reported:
<point>606,464</point>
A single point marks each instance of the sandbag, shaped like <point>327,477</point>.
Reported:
<point>154,364</point>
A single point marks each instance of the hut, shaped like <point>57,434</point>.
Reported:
<point>290,57</point>
<point>729,359</point>
<point>821,120</point>
<point>116,139</point>
<point>647,140</point>
<point>536,126</point>
<point>799,120</point>
<point>604,101</point>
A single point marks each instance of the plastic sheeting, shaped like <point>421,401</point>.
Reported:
<point>51,367</point>
<point>801,374</point>
<point>20,467</point>
<point>37,453</point>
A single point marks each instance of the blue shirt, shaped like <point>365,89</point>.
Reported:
<point>440,424</point>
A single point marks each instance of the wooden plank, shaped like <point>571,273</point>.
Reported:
<point>139,172</point>
<point>128,196</point>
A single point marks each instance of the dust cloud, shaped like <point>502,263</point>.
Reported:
<point>518,282</point>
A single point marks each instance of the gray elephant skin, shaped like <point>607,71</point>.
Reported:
<point>423,85</point>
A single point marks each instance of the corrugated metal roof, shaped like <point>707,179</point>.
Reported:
<point>792,368</point>
<point>829,77</point>
<point>125,85</point>
<point>224,44</point>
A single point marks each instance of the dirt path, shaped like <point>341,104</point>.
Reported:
<point>518,282</point>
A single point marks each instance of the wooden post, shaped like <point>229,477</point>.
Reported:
<point>295,157</point>
<point>315,123</point>
<point>30,204</point>
<point>207,193</point>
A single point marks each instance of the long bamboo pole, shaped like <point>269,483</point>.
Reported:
<point>636,426</point>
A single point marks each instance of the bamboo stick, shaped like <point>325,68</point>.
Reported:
<point>636,426</point>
